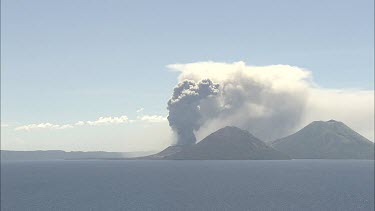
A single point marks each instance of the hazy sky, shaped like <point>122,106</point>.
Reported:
<point>69,61</point>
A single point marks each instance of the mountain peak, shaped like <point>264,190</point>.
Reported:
<point>230,127</point>
<point>228,143</point>
<point>330,125</point>
<point>330,139</point>
<point>332,121</point>
<point>231,130</point>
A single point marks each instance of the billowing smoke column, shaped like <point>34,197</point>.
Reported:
<point>267,101</point>
<point>184,108</point>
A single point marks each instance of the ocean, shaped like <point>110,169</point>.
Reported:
<point>187,185</point>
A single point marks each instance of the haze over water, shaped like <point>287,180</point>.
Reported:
<point>188,185</point>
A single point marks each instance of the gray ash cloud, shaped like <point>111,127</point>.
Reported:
<point>184,108</point>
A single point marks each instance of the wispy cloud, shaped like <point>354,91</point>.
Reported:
<point>108,120</point>
<point>43,126</point>
<point>4,125</point>
<point>80,123</point>
<point>152,118</point>
<point>98,122</point>
<point>140,110</point>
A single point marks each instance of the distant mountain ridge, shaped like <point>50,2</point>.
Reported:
<point>62,155</point>
<point>228,143</point>
<point>318,140</point>
<point>326,140</point>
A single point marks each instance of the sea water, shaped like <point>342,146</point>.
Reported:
<point>188,185</point>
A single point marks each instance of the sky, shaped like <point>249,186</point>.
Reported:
<point>65,62</point>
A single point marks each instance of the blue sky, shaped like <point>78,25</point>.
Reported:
<point>64,61</point>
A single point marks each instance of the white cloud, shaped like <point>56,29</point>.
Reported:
<point>100,121</point>
<point>140,110</point>
<point>109,120</point>
<point>80,123</point>
<point>4,125</point>
<point>152,118</point>
<point>65,126</point>
<point>43,126</point>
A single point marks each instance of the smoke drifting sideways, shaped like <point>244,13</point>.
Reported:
<point>185,116</point>
<point>267,101</point>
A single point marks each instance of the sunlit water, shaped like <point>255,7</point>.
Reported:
<point>188,185</point>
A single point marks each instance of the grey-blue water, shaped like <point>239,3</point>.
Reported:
<point>188,185</point>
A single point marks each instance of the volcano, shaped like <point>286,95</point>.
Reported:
<point>228,143</point>
<point>326,140</point>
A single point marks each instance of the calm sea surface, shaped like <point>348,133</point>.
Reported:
<point>188,185</point>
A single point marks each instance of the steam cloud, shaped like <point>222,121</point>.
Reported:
<point>269,101</point>
<point>184,108</point>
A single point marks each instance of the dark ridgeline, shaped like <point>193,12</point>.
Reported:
<point>62,155</point>
<point>228,143</point>
<point>326,140</point>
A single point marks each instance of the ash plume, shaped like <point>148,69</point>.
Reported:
<point>268,101</point>
<point>185,115</point>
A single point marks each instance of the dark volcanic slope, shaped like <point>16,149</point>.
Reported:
<point>229,143</point>
<point>167,152</point>
<point>326,140</point>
